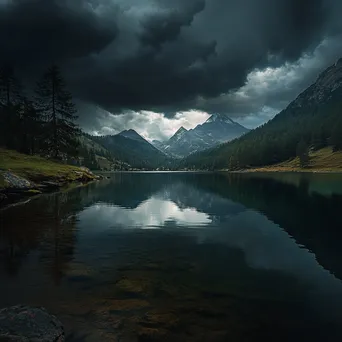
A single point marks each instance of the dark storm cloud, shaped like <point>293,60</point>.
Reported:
<point>269,90</point>
<point>46,31</point>
<point>161,28</point>
<point>164,55</point>
<point>204,51</point>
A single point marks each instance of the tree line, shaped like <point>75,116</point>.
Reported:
<point>41,123</point>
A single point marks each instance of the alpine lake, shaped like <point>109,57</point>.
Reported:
<point>181,256</point>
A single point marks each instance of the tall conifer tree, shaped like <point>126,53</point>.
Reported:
<point>10,100</point>
<point>54,103</point>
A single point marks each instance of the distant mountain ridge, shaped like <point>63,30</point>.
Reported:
<point>130,147</point>
<point>132,134</point>
<point>220,117</point>
<point>217,129</point>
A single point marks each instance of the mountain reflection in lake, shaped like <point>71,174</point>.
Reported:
<point>182,256</point>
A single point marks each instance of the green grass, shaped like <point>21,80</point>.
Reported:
<point>324,160</point>
<point>35,168</point>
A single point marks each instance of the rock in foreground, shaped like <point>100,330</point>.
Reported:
<point>16,182</point>
<point>26,324</point>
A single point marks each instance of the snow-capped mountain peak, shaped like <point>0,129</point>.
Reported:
<point>217,129</point>
<point>220,118</point>
<point>181,130</point>
<point>131,134</point>
<point>178,135</point>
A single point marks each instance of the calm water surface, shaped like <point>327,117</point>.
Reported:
<point>182,257</point>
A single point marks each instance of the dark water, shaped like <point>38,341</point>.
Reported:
<point>182,257</point>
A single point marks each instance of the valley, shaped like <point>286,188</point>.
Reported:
<point>130,151</point>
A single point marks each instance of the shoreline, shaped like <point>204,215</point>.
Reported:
<point>26,190</point>
<point>289,170</point>
<point>16,195</point>
<point>23,177</point>
<point>24,199</point>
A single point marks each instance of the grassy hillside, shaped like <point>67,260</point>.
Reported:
<point>323,160</point>
<point>35,168</point>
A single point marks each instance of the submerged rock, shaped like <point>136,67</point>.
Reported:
<point>27,324</point>
<point>156,326</point>
<point>49,186</point>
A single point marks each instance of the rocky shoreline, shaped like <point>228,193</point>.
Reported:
<point>19,189</point>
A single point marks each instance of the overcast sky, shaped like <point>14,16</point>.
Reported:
<point>154,65</point>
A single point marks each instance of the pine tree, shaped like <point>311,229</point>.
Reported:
<point>10,87</point>
<point>303,153</point>
<point>31,128</point>
<point>10,100</point>
<point>55,105</point>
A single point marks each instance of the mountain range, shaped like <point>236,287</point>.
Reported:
<point>129,150</point>
<point>216,130</point>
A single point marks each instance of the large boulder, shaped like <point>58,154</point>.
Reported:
<point>27,324</point>
<point>16,182</point>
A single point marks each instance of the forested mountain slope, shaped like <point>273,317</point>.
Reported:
<point>96,157</point>
<point>314,117</point>
<point>130,147</point>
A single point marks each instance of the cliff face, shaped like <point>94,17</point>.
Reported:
<point>327,86</point>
